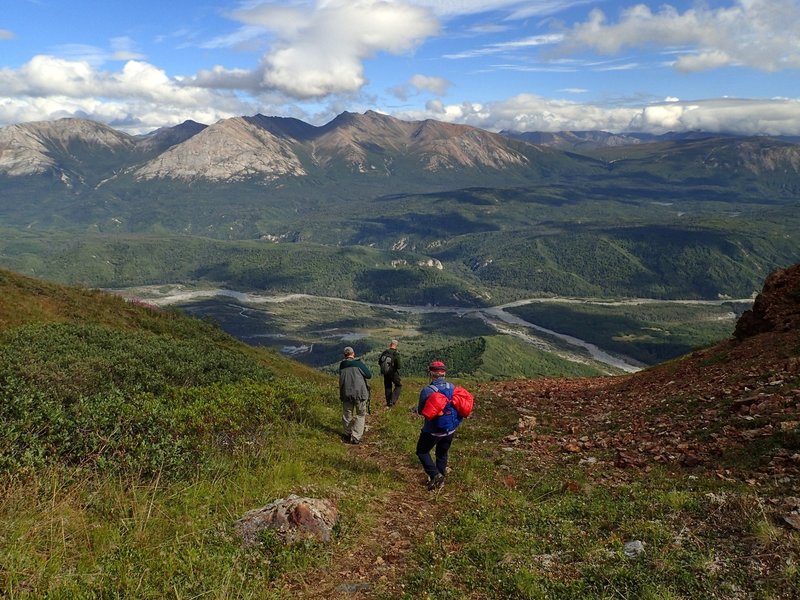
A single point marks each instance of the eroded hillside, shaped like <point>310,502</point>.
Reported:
<point>733,408</point>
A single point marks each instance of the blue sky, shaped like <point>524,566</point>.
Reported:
<point>548,65</point>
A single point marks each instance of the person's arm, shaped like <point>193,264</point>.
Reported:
<point>364,370</point>
<point>423,396</point>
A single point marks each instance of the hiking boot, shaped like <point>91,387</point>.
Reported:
<point>436,483</point>
<point>354,441</point>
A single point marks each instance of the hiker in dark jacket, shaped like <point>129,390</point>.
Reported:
<point>433,434</point>
<point>389,362</point>
<point>354,394</point>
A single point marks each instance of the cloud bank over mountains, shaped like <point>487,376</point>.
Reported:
<point>314,55</point>
<point>753,33</point>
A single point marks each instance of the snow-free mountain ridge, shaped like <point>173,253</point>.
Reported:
<point>273,149</point>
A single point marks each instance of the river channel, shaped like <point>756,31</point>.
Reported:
<point>496,316</point>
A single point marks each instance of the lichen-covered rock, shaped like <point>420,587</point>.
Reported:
<point>294,518</point>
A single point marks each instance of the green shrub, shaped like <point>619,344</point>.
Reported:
<point>140,432</point>
<point>230,417</point>
<point>105,399</point>
<point>74,360</point>
<point>461,358</point>
<point>110,430</point>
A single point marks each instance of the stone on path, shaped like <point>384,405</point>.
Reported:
<point>633,549</point>
<point>294,519</point>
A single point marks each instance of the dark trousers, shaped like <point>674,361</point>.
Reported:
<point>428,442</point>
<point>392,395</point>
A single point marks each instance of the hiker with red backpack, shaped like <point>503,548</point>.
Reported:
<point>444,406</point>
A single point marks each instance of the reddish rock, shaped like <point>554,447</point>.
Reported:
<point>776,308</point>
<point>690,460</point>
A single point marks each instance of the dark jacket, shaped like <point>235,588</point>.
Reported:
<point>395,359</point>
<point>353,375</point>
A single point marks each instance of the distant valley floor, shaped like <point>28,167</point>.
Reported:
<point>607,335</point>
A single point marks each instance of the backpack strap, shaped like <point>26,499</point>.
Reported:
<point>446,389</point>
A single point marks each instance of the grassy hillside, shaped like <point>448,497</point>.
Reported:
<point>133,438</point>
<point>89,379</point>
<point>136,430</point>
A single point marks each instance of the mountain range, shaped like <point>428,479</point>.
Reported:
<point>272,149</point>
<point>254,148</point>
<point>575,213</point>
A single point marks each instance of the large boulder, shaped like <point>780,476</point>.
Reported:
<point>293,518</point>
<point>776,308</point>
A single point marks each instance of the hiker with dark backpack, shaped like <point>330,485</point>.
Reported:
<point>444,406</point>
<point>389,363</point>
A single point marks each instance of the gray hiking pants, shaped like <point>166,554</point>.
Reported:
<point>354,416</point>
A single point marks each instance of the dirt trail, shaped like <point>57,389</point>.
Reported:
<point>379,560</point>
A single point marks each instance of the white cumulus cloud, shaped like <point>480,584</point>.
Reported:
<point>434,85</point>
<point>762,34</point>
<point>421,83</point>
<point>319,48</point>
<point>140,97</point>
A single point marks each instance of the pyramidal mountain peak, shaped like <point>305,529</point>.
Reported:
<point>284,126</point>
<point>165,137</point>
<point>233,149</point>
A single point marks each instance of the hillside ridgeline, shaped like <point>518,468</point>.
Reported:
<point>89,379</point>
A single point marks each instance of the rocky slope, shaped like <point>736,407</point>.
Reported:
<point>231,150</point>
<point>42,147</point>
<point>733,408</point>
<point>164,138</point>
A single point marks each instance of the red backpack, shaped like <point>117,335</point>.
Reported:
<point>435,404</point>
<point>463,401</point>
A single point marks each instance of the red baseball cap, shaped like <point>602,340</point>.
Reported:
<point>437,366</point>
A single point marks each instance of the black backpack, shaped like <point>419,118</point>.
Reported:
<point>386,362</point>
